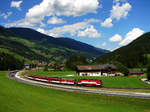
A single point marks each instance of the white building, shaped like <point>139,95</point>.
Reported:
<point>96,70</point>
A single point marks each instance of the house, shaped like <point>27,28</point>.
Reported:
<point>26,66</point>
<point>96,70</point>
<point>135,73</point>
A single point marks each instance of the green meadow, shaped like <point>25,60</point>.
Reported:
<point>108,82</point>
<point>19,97</point>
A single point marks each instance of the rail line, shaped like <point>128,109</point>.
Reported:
<point>15,76</point>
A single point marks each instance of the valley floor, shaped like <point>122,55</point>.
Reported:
<point>19,97</point>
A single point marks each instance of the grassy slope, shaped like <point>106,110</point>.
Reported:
<point>28,50</point>
<point>19,97</point>
<point>115,82</point>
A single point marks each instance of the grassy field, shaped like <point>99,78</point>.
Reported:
<point>19,97</point>
<point>113,82</point>
<point>53,73</point>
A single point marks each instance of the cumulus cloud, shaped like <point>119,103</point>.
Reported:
<point>6,15</point>
<point>48,8</point>
<point>120,11</point>
<point>76,29</point>
<point>65,7</point>
<point>89,32</point>
<point>61,7</point>
<point>67,29</point>
<point>131,35</point>
<point>107,23</point>
<point>117,12</point>
<point>55,20</point>
<point>116,38</point>
<point>16,4</point>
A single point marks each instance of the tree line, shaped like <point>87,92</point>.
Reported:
<point>9,62</point>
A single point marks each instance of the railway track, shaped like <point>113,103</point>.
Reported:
<point>15,76</point>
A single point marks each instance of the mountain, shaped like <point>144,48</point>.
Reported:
<point>35,36</point>
<point>30,45</point>
<point>132,55</point>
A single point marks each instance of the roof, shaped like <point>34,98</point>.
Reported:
<point>96,67</point>
<point>136,72</point>
<point>89,67</point>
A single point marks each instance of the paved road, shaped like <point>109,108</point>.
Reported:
<point>16,77</point>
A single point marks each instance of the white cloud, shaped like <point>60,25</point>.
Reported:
<point>68,29</point>
<point>115,38</point>
<point>47,8</point>
<point>120,11</point>
<point>75,28</point>
<point>107,23</point>
<point>131,35</point>
<point>61,7</point>
<point>21,23</point>
<point>103,44</point>
<point>5,15</point>
<point>89,32</point>
<point>16,4</point>
<point>55,20</point>
<point>117,12</point>
<point>92,20</point>
<point>41,30</point>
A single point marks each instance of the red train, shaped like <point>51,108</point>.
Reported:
<point>56,80</point>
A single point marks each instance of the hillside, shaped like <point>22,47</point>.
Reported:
<point>30,45</point>
<point>132,55</point>
<point>35,36</point>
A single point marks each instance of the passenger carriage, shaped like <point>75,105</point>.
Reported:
<point>56,80</point>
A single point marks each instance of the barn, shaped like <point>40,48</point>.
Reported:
<point>96,70</point>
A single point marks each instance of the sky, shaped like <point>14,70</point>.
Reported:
<point>106,24</point>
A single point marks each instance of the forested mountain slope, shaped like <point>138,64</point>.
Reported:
<point>131,55</point>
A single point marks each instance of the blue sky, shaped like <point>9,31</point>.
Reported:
<point>107,24</point>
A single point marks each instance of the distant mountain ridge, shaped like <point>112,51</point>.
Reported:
<point>33,35</point>
<point>131,55</point>
<point>32,45</point>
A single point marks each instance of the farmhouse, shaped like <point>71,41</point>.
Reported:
<point>96,70</point>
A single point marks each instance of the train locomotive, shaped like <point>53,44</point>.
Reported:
<point>56,80</point>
